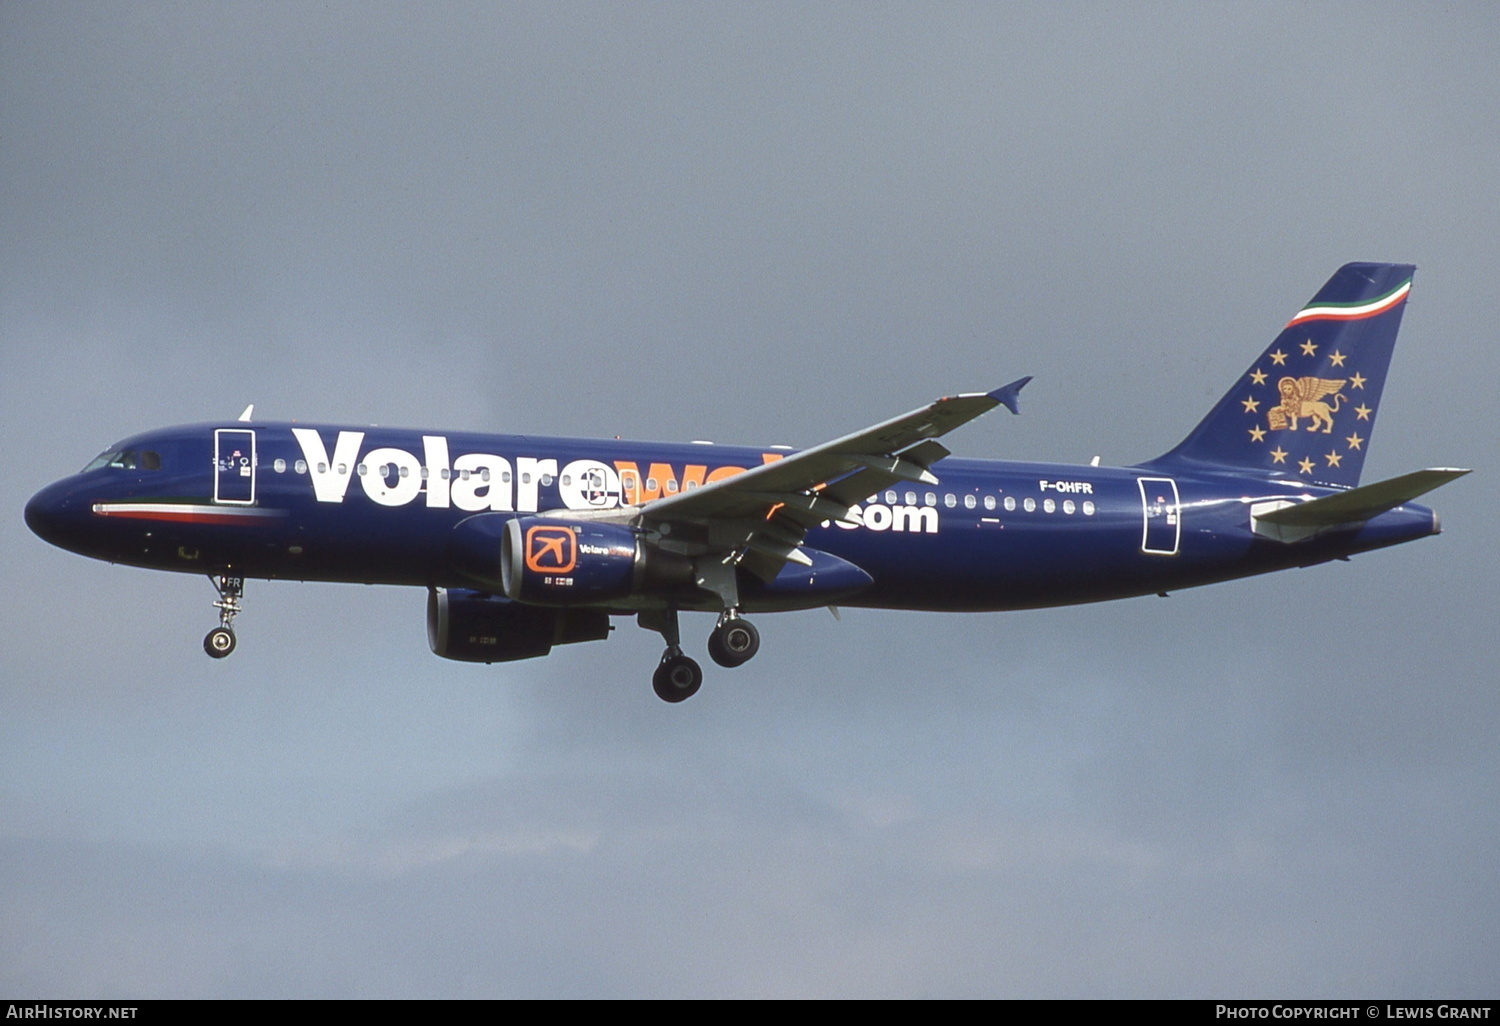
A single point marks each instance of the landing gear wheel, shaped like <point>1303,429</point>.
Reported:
<point>219,642</point>
<point>677,678</point>
<point>733,642</point>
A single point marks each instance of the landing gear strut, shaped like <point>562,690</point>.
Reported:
<point>734,640</point>
<point>220,641</point>
<point>678,676</point>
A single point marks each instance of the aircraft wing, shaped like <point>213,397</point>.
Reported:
<point>767,510</point>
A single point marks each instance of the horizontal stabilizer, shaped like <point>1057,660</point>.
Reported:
<point>1360,504</point>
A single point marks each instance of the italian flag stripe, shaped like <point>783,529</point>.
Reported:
<point>1352,311</point>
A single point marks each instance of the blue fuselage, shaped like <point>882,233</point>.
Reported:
<point>379,506</point>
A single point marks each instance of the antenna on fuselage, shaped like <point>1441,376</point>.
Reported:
<point>245,417</point>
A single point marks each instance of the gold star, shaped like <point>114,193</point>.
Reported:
<point>1258,376</point>
<point>1337,358</point>
<point>1305,465</point>
<point>1358,381</point>
<point>1362,412</point>
<point>1251,405</point>
<point>1333,459</point>
<point>1355,441</point>
<point>1257,434</point>
<point>1278,455</point>
<point>1278,358</point>
<point>1308,349</point>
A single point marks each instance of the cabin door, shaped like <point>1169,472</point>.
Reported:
<point>1162,514</point>
<point>234,466</point>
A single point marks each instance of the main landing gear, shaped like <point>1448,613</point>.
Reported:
<point>220,641</point>
<point>733,641</point>
<point>677,677</point>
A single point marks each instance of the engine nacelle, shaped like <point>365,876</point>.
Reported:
<point>554,562</point>
<point>478,628</point>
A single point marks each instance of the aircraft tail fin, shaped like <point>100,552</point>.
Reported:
<point>1306,408</point>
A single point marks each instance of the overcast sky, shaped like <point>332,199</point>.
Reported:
<point>756,223</point>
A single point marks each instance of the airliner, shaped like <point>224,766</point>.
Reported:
<point>524,543</point>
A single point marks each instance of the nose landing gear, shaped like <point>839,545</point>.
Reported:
<point>220,641</point>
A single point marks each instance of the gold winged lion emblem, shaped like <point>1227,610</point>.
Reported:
<point>1303,397</point>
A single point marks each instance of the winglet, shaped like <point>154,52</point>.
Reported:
<point>1007,395</point>
<point>249,411</point>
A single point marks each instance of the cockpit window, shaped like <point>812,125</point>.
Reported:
<point>126,459</point>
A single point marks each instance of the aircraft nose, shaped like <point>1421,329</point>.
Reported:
<point>50,514</point>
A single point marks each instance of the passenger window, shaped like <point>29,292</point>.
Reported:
<point>1049,506</point>
<point>279,466</point>
<point>989,502</point>
<point>1030,505</point>
<point>949,500</point>
<point>1088,508</point>
<point>1068,506</point>
<point>891,497</point>
<point>970,502</point>
<point>300,466</point>
<point>1010,504</point>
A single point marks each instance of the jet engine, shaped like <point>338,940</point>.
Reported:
<point>474,627</point>
<point>549,561</point>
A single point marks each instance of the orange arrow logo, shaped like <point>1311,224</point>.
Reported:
<point>550,550</point>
